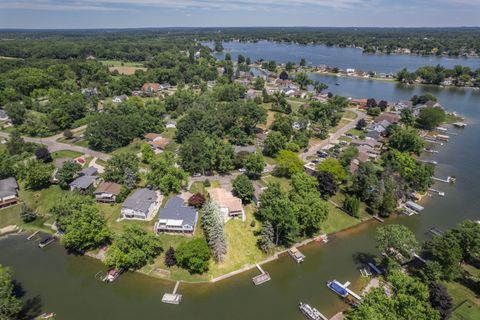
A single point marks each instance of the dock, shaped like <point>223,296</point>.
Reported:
<point>32,235</point>
<point>460,125</point>
<point>436,231</point>
<point>375,268</point>
<point>261,278</point>
<point>438,192</point>
<point>448,180</point>
<point>172,298</point>
<point>378,219</point>
<point>420,258</point>
<point>353,294</point>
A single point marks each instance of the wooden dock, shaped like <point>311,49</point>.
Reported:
<point>435,231</point>
<point>32,235</point>
<point>378,218</point>
<point>353,294</point>
<point>172,298</point>
<point>262,278</point>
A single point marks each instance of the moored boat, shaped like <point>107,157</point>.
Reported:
<point>113,274</point>
<point>46,241</point>
<point>310,312</point>
<point>338,288</point>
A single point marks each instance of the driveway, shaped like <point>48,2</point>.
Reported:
<point>334,136</point>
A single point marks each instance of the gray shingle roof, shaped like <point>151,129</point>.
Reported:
<point>140,200</point>
<point>88,171</point>
<point>175,209</point>
<point>8,187</point>
<point>83,182</point>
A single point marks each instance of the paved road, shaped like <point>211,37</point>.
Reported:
<point>53,145</point>
<point>340,132</point>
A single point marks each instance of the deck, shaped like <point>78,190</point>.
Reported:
<point>262,278</point>
<point>172,298</point>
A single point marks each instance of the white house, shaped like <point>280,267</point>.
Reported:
<point>140,205</point>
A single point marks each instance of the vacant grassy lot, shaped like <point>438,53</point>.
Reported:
<point>66,154</point>
<point>338,220</point>
<point>284,182</point>
<point>466,311</point>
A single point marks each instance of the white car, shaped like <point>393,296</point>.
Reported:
<point>242,170</point>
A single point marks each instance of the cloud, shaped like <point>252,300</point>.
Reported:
<point>224,5</point>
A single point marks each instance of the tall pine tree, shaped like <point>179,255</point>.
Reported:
<point>212,223</point>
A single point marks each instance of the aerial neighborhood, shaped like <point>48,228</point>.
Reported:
<point>185,161</point>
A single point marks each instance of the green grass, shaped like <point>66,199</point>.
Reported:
<point>133,147</point>
<point>341,124</point>
<point>356,132</point>
<point>338,220</point>
<point>82,143</point>
<point>284,182</point>
<point>466,311</point>
<point>66,154</point>
<point>460,293</point>
<point>350,115</point>
<point>197,187</point>
<point>169,133</point>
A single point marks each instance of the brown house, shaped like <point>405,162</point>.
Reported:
<point>150,87</point>
<point>107,192</point>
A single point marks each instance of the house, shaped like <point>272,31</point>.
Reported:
<point>140,205</point>
<point>170,124</point>
<point>244,149</point>
<point>165,86</point>
<point>381,126</point>
<point>375,135</point>
<point>150,88</point>
<point>119,99</point>
<point>157,142</point>
<point>230,205</point>
<point>310,168</point>
<point>107,192</point>
<point>251,94</point>
<point>401,105</point>
<point>84,183</point>
<point>176,217</point>
<point>367,142</point>
<point>88,171</point>
<point>150,137</point>
<point>8,192</point>
<point>3,115</point>
<point>389,116</point>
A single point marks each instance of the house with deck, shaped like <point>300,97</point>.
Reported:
<point>230,205</point>
<point>140,205</point>
<point>84,184</point>
<point>176,217</point>
<point>107,192</point>
<point>8,192</point>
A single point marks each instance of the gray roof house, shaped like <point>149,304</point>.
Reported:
<point>176,217</point>
<point>8,192</point>
<point>88,171</point>
<point>83,183</point>
<point>249,149</point>
<point>140,205</point>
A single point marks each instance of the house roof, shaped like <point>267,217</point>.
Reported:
<point>249,149</point>
<point>373,134</point>
<point>389,116</point>
<point>108,187</point>
<point>175,209</point>
<point>83,182</point>
<point>140,200</point>
<point>3,114</point>
<point>8,187</point>
<point>152,136</point>
<point>151,87</point>
<point>160,143</point>
<point>88,171</point>
<point>225,199</point>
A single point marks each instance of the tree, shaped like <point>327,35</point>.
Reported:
<point>36,174</point>
<point>16,112</point>
<point>254,164</point>
<point>240,59</point>
<point>228,57</point>
<point>16,144</point>
<point>67,173</point>
<point>84,229</point>
<point>303,80</point>
<point>10,305</point>
<point>405,139</point>
<point>27,214</point>
<point>165,175</point>
<point>334,167</point>
<point>274,142</point>
<point>43,154</point>
<point>446,250</point>
<point>197,200</point>
<point>326,184</point>
<point>265,242</point>
<point>408,118</point>
<point>193,255</point>
<point>68,134</point>
<point>147,153</point>
<point>259,83</point>
<point>170,259</point>
<point>283,75</point>
<point>440,300</point>
<point>243,188</point>
<point>319,86</point>
<point>119,164</point>
<point>374,111</point>
<point>7,165</point>
<point>303,62</point>
<point>430,117</point>
<point>133,248</point>
<point>351,204</point>
<point>348,155</point>
<point>397,237</point>
<point>212,223</point>
<point>288,164</point>
<point>383,105</point>
<point>365,180</point>
<point>468,235</point>
<point>371,103</point>
<point>276,208</point>
<point>361,124</point>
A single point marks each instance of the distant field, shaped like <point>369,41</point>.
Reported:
<point>126,70</point>
<point>123,67</point>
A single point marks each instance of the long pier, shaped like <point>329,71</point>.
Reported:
<point>353,294</point>
<point>262,278</point>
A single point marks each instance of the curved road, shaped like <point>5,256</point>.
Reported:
<point>53,145</point>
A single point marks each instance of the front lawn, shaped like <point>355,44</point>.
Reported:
<point>337,220</point>
<point>66,154</point>
<point>284,182</point>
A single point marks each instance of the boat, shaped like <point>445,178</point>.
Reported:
<point>46,241</point>
<point>45,315</point>
<point>113,274</point>
<point>310,312</point>
<point>338,288</point>
<point>296,255</point>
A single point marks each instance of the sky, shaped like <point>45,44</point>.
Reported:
<point>74,14</point>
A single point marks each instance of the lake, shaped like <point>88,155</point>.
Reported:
<point>65,284</point>
<point>338,57</point>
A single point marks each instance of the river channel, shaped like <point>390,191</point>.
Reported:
<point>65,284</point>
